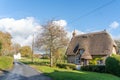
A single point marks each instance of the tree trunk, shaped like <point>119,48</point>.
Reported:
<point>32,48</point>
<point>51,60</point>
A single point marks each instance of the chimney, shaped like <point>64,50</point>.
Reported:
<point>74,33</point>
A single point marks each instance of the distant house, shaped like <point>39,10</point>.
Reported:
<point>17,56</point>
<point>37,55</point>
<point>85,47</point>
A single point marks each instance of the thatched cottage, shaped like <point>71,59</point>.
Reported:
<point>85,47</point>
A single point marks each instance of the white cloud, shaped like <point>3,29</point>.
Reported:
<point>114,25</point>
<point>21,29</point>
<point>61,23</point>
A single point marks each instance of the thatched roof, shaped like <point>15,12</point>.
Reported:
<point>97,43</point>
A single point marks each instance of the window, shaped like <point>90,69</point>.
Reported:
<point>78,57</point>
<point>84,36</point>
<point>76,48</point>
<point>81,51</point>
<point>99,62</point>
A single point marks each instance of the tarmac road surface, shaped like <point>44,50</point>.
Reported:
<point>23,72</point>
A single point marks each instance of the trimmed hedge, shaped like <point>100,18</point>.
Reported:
<point>66,65</point>
<point>94,68</point>
<point>113,65</point>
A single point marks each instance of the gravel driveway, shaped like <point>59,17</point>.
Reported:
<point>23,72</point>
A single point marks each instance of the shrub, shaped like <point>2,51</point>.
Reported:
<point>6,62</point>
<point>45,57</point>
<point>113,65</point>
<point>66,65</point>
<point>94,60</point>
<point>94,68</point>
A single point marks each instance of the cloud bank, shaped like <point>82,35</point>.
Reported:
<point>21,30</point>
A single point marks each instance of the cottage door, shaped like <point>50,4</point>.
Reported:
<point>81,51</point>
<point>85,62</point>
<point>78,59</point>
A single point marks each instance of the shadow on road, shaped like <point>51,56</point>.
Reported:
<point>21,71</point>
<point>4,71</point>
<point>22,77</point>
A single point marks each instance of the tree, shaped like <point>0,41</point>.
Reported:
<point>0,46</point>
<point>52,38</point>
<point>16,48</point>
<point>5,39</point>
<point>60,55</point>
<point>26,51</point>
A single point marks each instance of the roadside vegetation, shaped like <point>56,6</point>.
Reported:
<point>115,67</point>
<point>6,50</point>
<point>6,62</point>
<point>67,74</point>
<point>57,73</point>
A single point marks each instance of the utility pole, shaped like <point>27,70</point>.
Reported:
<point>32,48</point>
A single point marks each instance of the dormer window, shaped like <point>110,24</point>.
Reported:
<point>84,36</point>
<point>81,51</point>
<point>76,48</point>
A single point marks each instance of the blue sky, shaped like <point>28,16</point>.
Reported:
<point>82,15</point>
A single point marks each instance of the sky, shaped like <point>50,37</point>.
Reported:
<point>22,18</point>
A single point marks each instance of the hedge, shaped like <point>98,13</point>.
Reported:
<point>113,65</point>
<point>94,68</point>
<point>66,65</point>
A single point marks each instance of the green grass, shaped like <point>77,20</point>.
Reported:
<point>6,62</point>
<point>67,74</point>
<point>63,74</point>
<point>36,61</point>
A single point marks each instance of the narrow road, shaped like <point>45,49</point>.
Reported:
<point>23,72</point>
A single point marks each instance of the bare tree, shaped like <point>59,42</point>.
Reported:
<point>52,38</point>
<point>16,47</point>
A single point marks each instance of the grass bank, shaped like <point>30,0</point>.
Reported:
<point>36,61</point>
<point>63,74</point>
<point>67,74</point>
<point>6,62</point>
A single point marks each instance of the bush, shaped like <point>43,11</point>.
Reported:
<point>6,62</point>
<point>113,65</point>
<point>94,68</point>
<point>66,65</point>
<point>94,60</point>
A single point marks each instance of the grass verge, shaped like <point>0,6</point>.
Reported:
<point>63,74</point>
<point>6,62</point>
<point>67,74</point>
